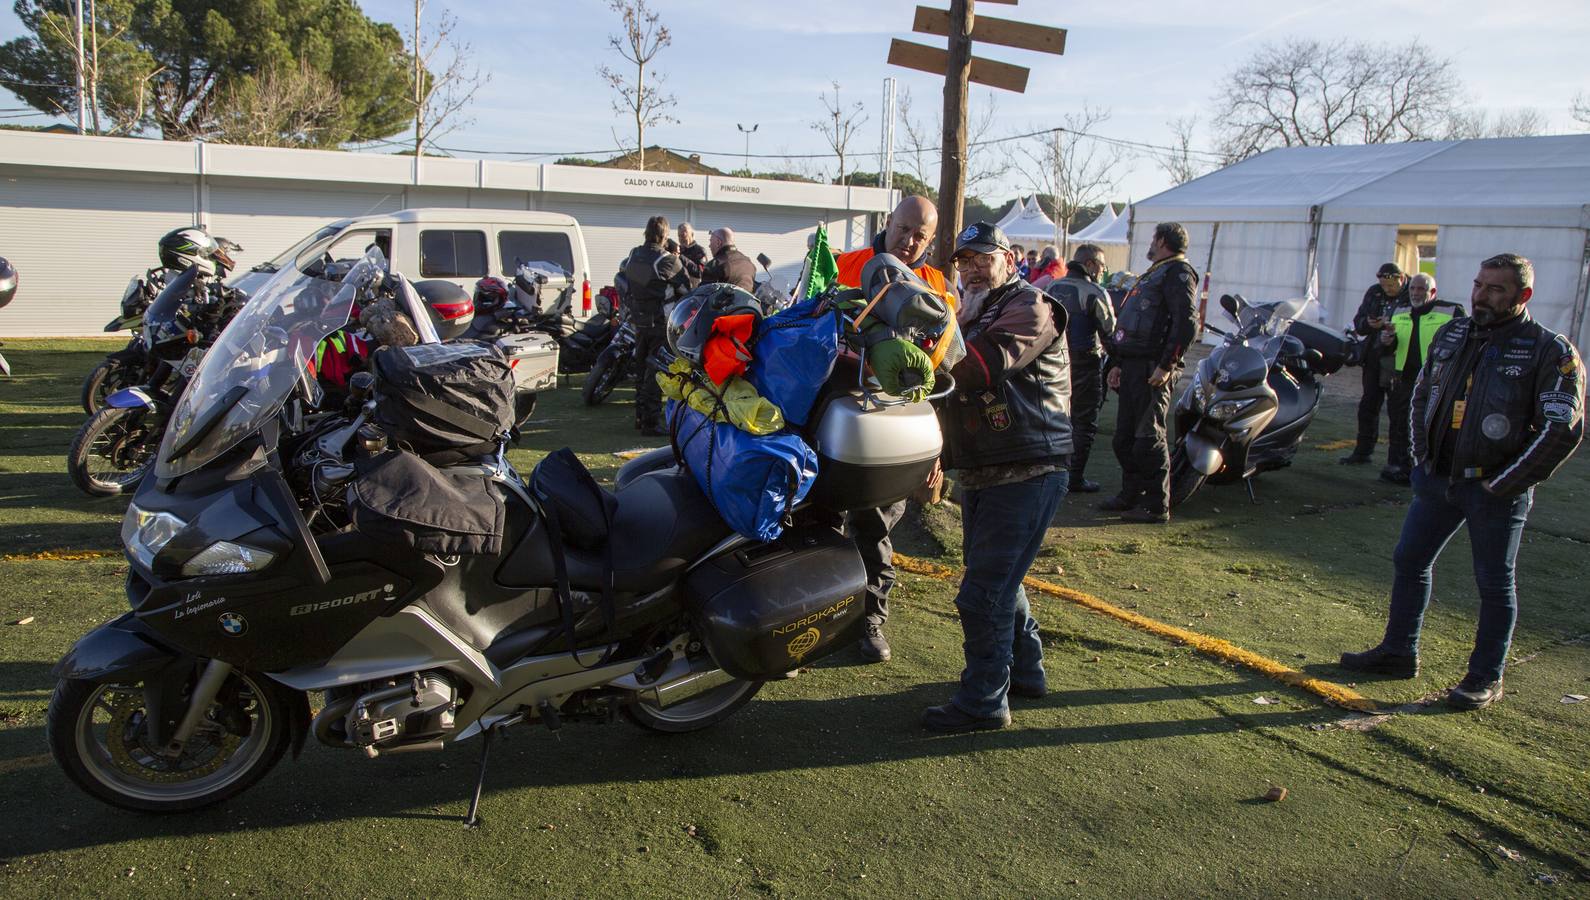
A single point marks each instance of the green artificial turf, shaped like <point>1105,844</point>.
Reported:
<point>1142,774</point>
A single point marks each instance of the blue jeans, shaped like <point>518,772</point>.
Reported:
<point>1440,506</point>
<point>1003,529</point>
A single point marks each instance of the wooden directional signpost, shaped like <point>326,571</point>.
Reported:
<point>959,66</point>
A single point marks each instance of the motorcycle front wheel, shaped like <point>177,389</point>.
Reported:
<point>107,378</point>
<point>97,735</point>
<point>1184,479</point>
<point>605,375</point>
<point>112,451</point>
<point>701,711</point>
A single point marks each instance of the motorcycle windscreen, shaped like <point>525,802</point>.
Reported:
<point>250,372</point>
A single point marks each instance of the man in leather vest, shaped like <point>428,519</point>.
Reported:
<point>1090,321</point>
<point>1406,338</point>
<point>907,234</point>
<point>654,277</point>
<point>728,264</point>
<point>1373,316</point>
<point>1157,323</point>
<point>1007,431</point>
<point>1498,407</point>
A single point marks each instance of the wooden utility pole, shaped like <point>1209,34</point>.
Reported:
<point>958,66</point>
<point>952,165</point>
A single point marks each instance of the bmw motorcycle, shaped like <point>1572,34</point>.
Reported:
<point>617,363</point>
<point>250,587</point>
<point>1252,399</point>
<point>115,446</point>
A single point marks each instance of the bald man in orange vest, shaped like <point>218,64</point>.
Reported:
<point>907,234</point>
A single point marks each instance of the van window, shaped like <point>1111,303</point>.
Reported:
<point>517,247</point>
<point>353,244</point>
<point>452,254</point>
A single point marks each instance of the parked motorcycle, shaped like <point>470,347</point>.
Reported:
<point>618,362</point>
<point>250,588</point>
<point>534,354</point>
<point>128,366</point>
<point>1251,400</point>
<point>8,289</point>
<point>115,446</point>
<point>773,299</point>
<point>521,310</point>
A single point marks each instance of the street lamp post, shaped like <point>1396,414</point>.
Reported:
<point>747,132</point>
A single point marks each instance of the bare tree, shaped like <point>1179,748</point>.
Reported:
<point>644,35</point>
<point>839,125</point>
<point>281,107</point>
<point>1477,123</point>
<point>1310,93</point>
<point>438,96</point>
<point>1180,161</point>
<point>921,147</point>
<point>1077,171</point>
<point>1581,109</point>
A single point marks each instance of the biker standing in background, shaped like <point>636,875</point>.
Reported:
<point>654,277</point>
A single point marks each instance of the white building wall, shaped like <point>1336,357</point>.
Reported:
<point>81,215</point>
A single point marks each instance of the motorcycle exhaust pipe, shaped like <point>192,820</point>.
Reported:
<point>693,683</point>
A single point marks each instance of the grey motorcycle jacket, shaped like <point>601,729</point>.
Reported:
<point>1012,397</point>
<point>1522,389</point>
<point>1159,317</point>
<point>650,271</point>
<point>1090,319</point>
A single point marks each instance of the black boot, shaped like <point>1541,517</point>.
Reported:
<point>1380,661</point>
<point>1474,692</point>
<point>873,645</point>
<point>949,719</point>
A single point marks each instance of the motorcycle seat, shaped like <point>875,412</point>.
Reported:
<point>662,524</point>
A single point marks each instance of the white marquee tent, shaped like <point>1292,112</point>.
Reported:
<point>1262,226</point>
<point>1104,220</point>
<point>1031,227</point>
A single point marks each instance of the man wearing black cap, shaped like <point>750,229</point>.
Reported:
<point>1007,432</point>
<point>1156,325</point>
<point>1372,318</point>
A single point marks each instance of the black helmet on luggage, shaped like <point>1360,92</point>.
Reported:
<point>8,281</point>
<point>452,309</point>
<point>690,323</point>
<point>186,247</point>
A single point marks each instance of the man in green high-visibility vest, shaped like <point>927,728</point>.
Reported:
<point>1413,325</point>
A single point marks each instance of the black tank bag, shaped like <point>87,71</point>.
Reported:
<point>446,402</point>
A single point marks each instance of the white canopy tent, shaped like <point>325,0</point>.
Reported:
<point>1104,220</point>
<point>1032,227</point>
<point>1263,226</point>
<point>1016,209</point>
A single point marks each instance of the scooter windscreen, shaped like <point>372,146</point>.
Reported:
<point>250,372</point>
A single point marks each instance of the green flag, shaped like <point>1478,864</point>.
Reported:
<point>820,270</point>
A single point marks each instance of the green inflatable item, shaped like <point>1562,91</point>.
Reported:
<point>903,369</point>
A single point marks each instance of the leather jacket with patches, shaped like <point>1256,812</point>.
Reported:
<point>1159,316</point>
<point>1521,390</point>
<point>1012,398</point>
<point>1090,319</point>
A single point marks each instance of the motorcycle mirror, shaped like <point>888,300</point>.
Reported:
<point>766,262</point>
<point>1229,303</point>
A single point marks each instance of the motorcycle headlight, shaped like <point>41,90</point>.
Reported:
<point>1229,409</point>
<point>227,558</point>
<point>145,534</point>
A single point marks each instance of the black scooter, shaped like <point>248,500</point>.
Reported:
<point>1252,399</point>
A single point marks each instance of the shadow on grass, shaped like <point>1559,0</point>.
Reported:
<point>770,735</point>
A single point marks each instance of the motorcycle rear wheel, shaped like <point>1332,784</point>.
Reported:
<point>111,452</point>
<point>701,711</point>
<point>96,734</point>
<point>605,375</point>
<point>107,378</point>
<point>1184,479</point>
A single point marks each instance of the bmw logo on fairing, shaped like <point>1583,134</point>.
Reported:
<point>233,624</point>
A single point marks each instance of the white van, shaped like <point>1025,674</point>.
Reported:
<point>458,245</point>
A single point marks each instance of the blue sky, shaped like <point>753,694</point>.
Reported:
<point>766,62</point>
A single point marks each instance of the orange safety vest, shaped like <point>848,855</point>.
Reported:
<point>851,263</point>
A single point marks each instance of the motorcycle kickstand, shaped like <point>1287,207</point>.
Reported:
<point>472,819</point>
<point>1248,483</point>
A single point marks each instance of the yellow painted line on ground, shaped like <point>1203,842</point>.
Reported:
<point>1210,646</point>
<point>61,554</point>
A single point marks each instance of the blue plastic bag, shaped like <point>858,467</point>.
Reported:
<point>792,357</point>
<point>752,481</point>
